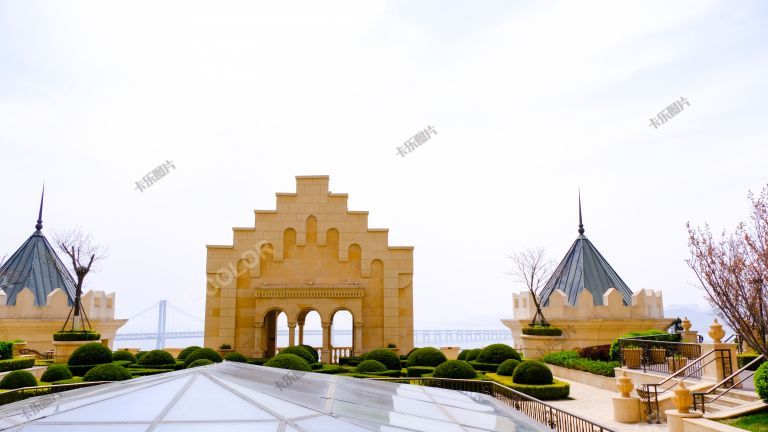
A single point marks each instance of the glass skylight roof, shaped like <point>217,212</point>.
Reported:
<point>241,397</point>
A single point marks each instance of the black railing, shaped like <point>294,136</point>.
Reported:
<point>651,354</point>
<point>699,398</point>
<point>555,418</point>
<point>28,392</point>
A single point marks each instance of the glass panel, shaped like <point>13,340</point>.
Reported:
<point>280,407</point>
<point>422,424</point>
<point>209,427</point>
<point>328,423</point>
<point>86,428</point>
<point>206,400</point>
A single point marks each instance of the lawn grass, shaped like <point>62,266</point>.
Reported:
<point>756,422</point>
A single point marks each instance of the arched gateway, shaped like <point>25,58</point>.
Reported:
<point>310,254</point>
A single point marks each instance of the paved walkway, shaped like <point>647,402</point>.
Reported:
<point>596,404</point>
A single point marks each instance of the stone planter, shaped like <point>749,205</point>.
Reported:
<point>63,349</point>
<point>658,355</point>
<point>633,357</point>
<point>451,353</point>
<point>535,347</point>
<point>224,351</point>
<point>676,363</point>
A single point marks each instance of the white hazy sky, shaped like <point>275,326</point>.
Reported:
<point>531,100</point>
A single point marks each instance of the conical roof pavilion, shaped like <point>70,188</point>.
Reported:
<point>35,266</point>
<point>584,268</point>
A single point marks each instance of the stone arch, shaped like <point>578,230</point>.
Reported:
<point>304,318</point>
<point>269,329</point>
<point>311,230</point>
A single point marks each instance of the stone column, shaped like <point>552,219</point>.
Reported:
<point>258,339</point>
<point>291,333</point>
<point>357,339</point>
<point>301,332</point>
<point>325,352</point>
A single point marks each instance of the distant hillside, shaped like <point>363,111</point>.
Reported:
<point>701,317</point>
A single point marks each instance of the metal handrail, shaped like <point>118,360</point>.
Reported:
<point>729,378</point>
<point>27,392</point>
<point>542,412</point>
<point>688,366</point>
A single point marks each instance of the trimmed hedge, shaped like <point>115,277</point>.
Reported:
<point>455,369</point>
<point>6,350</point>
<point>123,355</point>
<point>387,373</point>
<point>187,351</point>
<point>497,353</point>
<point>76,335</point>
<point>16,364</point>
<point>236,357</point>
<point>90,354</point>
<point>472,354</point>
<point>107,372</point>
<point>140,372</point>
<point>369,366</point>
<point>316,366</point>
<point>571,360</point>
<point>289,361</point>
<point>140,354</point>
<point>312,351</point>
<point>532,372</point>
<point>542,331</point>
<point>330,369</point>
<point>299,351</point>
<point>507,368</point>
<point>157,357</point>
<point>417,371</point>
<point>56,372</point>
<point>258,361</point>
<point>205,353</point>
<point>199,362</point>
<point>386,357</point>
<point>18,379</point>
<point>123,363</point>
<point>659,336</point>
<point>485,367</point>
<point>425,357</point>
<point>348,361</point>
<point>761,381</point>
<point>746,358</point>
<point>556,390</point>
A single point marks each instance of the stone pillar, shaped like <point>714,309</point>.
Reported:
<point>683,401</point>
<point>291,333</point>
<point>325,352</point>
<point>714,371</point>
<point>258,339</point>
<point>357,339</point>
<point>301,332</point>
<point>688,335</point>
<point>626,409</point>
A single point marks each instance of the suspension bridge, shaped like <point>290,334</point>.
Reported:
<point>163,321</point>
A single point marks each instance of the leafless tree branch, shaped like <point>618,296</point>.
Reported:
<point>532,268</point>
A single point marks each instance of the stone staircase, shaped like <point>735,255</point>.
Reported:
<point>734,400</point>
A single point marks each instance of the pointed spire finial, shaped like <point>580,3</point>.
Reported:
<point>39,224</point>
<point>581,223</point>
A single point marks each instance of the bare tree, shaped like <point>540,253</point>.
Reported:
<point>733,272</point>
<point>83,255</point>
<point>532,268</point>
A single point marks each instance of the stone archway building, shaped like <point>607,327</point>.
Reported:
<point>310,254</point>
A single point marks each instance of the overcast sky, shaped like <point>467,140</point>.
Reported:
<point>530,100</point>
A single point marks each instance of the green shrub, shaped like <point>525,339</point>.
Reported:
<point>425,357</point>
<point>236,357</point>
<point>258,361</point>
<point>761,381</point>
<point>369,366</point>
<point>458,369</point>
<point>462,355</point>
<point>312,351</point>
<point>123,355</point>
<point>18,379</point>
<point>330,369</point>
<point>532,372</point>
<point>123,363</point>
<point>199,362</point>
<point>387,373</point>
<point>140,354</point>
<point>571,360</point>
<point>187,351</point>
<point>348,361</point>
<point>16,364</point>
<point>417,371</point>
<point>56,372</point>
<point>485,367</point>
<point>299,351</point>
<point>316,366</point>
<point>542,331</point>
<point>658,336</point>
<point>289,361</point>
<point>107,372</point>
<point>497,353</point>
<point>6,350</point>
<point>225,346</point>
<point>556,390</point>
<point>90,354</point>
<point>596,352</point>
<point>76,335</point>
<point>507,368</point>
<point>472,354</point>
<point>386,357</point>
<point>746,358</point>
<point>157,357</point>
<point>205,353</point>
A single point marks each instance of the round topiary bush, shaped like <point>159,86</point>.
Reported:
<point>289,361</point>
<point>472,354</point>
<point>458,369</point>
<point>90,354</point>
<point>370,366</point>
<point>497,353</point>
<point>157,358</point>
<point>199,362</point>
<point>312,351</point>
<point>140,354</point>
<point>202,353</point>
<point>187,351</point>
<point>123,355</point>
<point>425,357</point>
<point>299,351</point>
<point>235,357</point>
<point>761,381</point>
<point>386,357</point>
<point>532,372</point>
<point>18,379</point>
<point>56,372</point>
<point>463,355</point>
<point>507,367</point>
<point>107,372</point>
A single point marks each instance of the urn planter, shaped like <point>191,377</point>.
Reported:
<point>633,357</point>
<point>676,363</point>
<point>658,355</point>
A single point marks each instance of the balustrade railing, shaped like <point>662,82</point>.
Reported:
<point>651,353</point>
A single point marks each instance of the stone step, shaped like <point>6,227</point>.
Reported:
<point>744,395</point>
<point>723,401</point>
